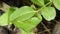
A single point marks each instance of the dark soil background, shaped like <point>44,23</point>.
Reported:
<point>45,27</point>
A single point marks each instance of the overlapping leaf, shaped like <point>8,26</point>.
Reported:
<point>29,24</point>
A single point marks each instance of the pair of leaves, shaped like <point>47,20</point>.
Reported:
<point>57,3</point>
<point>29,24</point>
<point>48,13</point>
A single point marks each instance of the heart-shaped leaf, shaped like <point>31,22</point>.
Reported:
<point>22,13</point>
<point>38,2</point>
<point>48,13</point>
<point>57,3</point>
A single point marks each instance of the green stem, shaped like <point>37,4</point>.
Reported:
<point>44,6</point>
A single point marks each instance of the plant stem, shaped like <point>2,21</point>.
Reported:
<point>44,6</point>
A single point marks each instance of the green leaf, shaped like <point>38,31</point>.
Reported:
<point>48,13</point>
<point>38,2</point>
<point>57,3</point>
<point>4,19</point>
<point>22,13</point>
<point>29,24</point>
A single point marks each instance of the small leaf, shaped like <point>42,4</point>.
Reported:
<point>38,2</point>
<point>4,19</point>
<point>57,3</point>
<point>48,13</point>
<point>22,13</point>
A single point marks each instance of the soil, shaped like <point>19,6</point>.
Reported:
<point>45,27</point>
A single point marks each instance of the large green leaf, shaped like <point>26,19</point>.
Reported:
<point>48,13</point>
<point>4,19</point>
<point>22,13</point>
<point>29,24</point>
<point>57,3</point>
<point>38,2</point>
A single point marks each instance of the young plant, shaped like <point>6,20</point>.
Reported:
<point>28,17</point>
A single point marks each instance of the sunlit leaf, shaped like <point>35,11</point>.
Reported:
<point>48,13</point>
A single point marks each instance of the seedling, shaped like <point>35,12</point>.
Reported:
<point>28,17</point>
